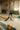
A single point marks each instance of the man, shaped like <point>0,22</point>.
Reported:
<point>10,15</point>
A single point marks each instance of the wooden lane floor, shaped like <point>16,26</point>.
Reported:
<point>1,19</point>
<point>4,16</point>
<point>15,15</point>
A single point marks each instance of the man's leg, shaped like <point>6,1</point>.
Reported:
<point>10,17</point>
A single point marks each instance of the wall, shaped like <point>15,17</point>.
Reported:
<point>12,5</point>
<point>0,8</point>
<point>4,6</point>
<point>19,7</point>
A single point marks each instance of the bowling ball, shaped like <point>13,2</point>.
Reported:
<point>10,27</point>
<point>7,26</point>
<point>13,29</point>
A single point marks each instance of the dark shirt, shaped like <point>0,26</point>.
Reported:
<point>10,13</point>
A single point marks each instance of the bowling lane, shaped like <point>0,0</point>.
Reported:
<point>15,23</point>
<point>15,15</point>
<point>4,16</point>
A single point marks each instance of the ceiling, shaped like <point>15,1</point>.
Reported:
<point>5,0</point>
